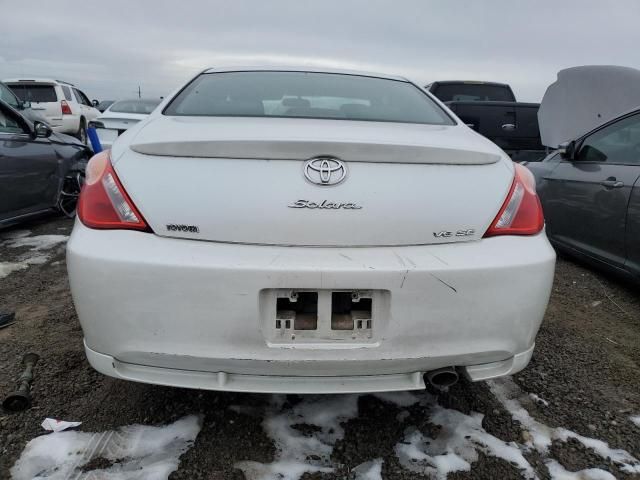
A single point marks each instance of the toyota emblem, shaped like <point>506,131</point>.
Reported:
<point>325,171</point>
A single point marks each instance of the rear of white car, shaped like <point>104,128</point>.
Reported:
<point>120,116</point>
<point>307,232</point>
<point>65,108</point>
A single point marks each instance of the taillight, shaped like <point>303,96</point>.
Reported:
<point>103,202</point>
<point>66,109</point>
<point>521,213</point>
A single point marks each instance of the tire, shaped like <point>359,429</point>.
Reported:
<point>81,134</point>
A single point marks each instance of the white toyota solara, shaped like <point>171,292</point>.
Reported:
<point>307,231</point>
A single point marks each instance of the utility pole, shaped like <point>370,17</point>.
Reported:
<point>139,92</point>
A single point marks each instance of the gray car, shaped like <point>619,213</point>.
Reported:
<point>590,193</point>
<point>40,171</point>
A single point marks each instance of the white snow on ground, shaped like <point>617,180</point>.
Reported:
<point>139,452</point>
<point>369,470</point>
<point>305,435</point>
<point>307,448</point>
<point>38,244</point>
<point>558,472</point>
<point>456,446</point>
<point>541,436</point>
<point>635,420</point>
<point>320,417</point>
<point>9,267</point>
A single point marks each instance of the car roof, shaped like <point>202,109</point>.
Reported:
<point>36,80</point>
<point>305,69</point>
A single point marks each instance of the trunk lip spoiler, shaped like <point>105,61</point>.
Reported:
<point>301,150</point>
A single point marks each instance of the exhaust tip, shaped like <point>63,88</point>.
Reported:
<point>442,377</point>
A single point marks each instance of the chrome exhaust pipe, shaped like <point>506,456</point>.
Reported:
<point>442,377</point>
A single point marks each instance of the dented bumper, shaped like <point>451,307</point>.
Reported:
<point>203,314</point>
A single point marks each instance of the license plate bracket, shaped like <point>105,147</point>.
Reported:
<point>306,316</point>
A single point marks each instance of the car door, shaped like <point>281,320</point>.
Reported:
<point>29,178</point>
<point>586,198</point>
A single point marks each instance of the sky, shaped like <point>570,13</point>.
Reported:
<point>110,47</point>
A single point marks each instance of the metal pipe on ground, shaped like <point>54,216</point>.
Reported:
<point>21,398</point>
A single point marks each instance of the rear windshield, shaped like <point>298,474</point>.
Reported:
<point>35,93</point>
<point>465,92</point>
<point>306,95</point>
<point>134,106</point>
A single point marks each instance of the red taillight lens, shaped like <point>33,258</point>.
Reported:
<point>521,213</point>
<point>66,109</point>
<point>103,202</point>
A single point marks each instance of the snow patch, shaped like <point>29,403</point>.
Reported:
<point>138,452</point>
<point>38,242</point>
<point>507,393</point>
<point>304,435</point>
<point>456,446</point>
<point>541,436</point>
<point>635,420</point>
<point>371,470</point>
<point>9,267</point>
<point>558,472</point>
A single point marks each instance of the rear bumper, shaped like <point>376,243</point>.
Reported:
<point>248,383</point>
<point>196,314</point>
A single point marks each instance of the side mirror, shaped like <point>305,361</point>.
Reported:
<point>567,150</point>
<point>95,102</point>
<point>41,130</point>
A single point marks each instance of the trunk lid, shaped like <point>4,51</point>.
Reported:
<point>243,181</point>
<point>120,124</point>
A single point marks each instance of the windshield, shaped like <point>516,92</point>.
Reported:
<point>467,92</point>
<point>135,106</point>
<point>8,96</point>
<point>306,95</point>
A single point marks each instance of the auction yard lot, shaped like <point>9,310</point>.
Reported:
<point>575,408</point>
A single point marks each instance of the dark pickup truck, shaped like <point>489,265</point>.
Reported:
<point>491,110</point>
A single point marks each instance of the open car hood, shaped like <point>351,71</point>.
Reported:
<point>582,98</point>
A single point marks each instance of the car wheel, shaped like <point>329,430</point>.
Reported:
<point>82,132</point>
<point>68,199</point>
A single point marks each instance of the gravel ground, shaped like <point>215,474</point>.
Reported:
<point>584,379</point>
